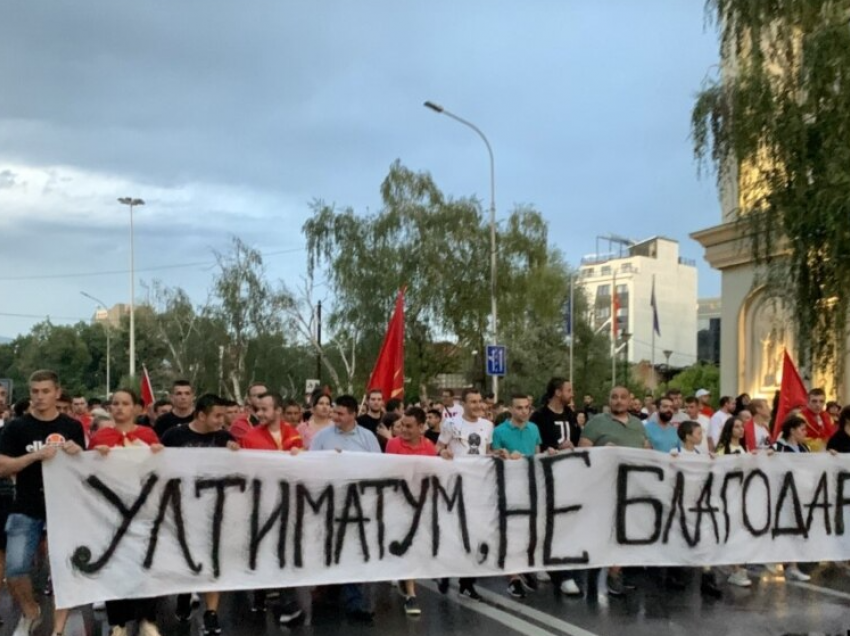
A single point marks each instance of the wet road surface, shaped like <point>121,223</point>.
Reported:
<point>770,607</point>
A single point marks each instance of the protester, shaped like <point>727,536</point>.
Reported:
<point>434,420</point>
<point>182,408</point>
<point>757,430</point>
<point>346,436</point>
<point>515,439</point>
<point>80,412</point>
<point>125,408</point>
<point>271,432</point>
<point>248,419</point>
<point>715,424</point>
<point>732,442</point>
<point>660,432</point>
<point>792,439</point>
<point>819,424</point>
<point>704,397</point>
<point>25,443</point>
<point>465,436</point>
<point>840,440</point>
<point>205,430</point>
<point>410,441</point>
<point>371,419</point>
<point>615,428</point>
<point>232,412</point>
<point>320,419</point>
<point>741,403</point>
<point>693,412</point>
<point>691,443</point>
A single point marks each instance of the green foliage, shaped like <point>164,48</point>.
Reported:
<point>782,116</point>
<point>698,376</point>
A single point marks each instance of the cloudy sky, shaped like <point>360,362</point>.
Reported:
<point>229,118</point>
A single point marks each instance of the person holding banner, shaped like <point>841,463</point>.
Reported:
<point>840,441</point>
<point>345,435</point>
<point>125,407</point>
<point>27,442</point>
<point>514,439</point>
<point>272,432</point>
<point>615,428</point>
<point>206,430</point>
<point>467,434</point>
<point>411,441</point>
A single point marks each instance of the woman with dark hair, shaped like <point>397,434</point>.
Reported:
<point>125,408</point>
<point>741,403</point>
<point>732,440</point>
<point>320,418</point>
<point>840,441</point>
<point>792,440</point>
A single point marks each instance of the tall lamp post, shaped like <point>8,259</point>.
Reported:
<point>108,344</point>
<point>493,313</point>
<point>131,203</point>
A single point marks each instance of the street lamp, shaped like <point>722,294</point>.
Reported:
<point>495,325</point>
<point>108,343</point>
<point>131,203</point>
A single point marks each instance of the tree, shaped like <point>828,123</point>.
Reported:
<point>778,123</point>
<point>438,247</point>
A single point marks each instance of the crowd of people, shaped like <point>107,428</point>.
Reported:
<point>35,428</point>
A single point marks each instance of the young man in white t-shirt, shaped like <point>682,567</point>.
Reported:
<point>465,435</point>
<point>717,421</point>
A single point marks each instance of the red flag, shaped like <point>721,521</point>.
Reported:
<point>792,393</point>
<point>388,374</point>
<point>146,388</point>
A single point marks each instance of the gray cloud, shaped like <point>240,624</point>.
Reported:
<point>229,120</point>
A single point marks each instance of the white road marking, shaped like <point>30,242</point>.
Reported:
<point>510,620</point>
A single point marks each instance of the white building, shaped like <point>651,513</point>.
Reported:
<point>632,268</point>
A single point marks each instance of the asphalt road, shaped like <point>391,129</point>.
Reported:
<point>770,607</point>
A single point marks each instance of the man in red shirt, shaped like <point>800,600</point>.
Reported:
<point>272,433</point>
<point>80,412</point>
<point>819,425</point>
<point>249,419</point>
<point>410,441</point>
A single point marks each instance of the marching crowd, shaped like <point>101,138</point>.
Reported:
<point>34,429</point>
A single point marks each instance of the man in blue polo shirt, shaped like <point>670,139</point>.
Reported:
<point>346,436</point>
<point>514,439</point>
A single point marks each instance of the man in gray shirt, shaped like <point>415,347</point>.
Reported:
<point>346,435</point>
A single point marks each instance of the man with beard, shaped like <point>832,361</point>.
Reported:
<point>661,433</point>
<point>559,430</point>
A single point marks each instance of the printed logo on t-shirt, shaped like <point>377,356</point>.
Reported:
<point>54,439</point>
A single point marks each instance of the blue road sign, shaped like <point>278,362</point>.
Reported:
<point>496,359</point>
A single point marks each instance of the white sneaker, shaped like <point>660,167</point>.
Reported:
<point>543,577</point>
<point>27,626</point>
<point>98,606</point>
<point>773,568</point>
<point>569,587</point>
<point>118,630</point>
<point>793,573</point>
<point>196,601</point>
<point>739,578</point>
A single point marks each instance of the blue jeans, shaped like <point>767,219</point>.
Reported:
<point>23,535</point>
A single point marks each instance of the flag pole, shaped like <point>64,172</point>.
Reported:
<point>614,332</point>
<point>654,381</point>
<point>572,325</point>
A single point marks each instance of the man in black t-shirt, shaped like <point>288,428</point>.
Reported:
<point>182,408</point>
<point>206,430</point>
<point>559,431</point>
<point>25,443</point>
<point>556,420</point>
<point>371,419</point>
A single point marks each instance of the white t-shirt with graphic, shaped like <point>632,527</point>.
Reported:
<point>463,437</point>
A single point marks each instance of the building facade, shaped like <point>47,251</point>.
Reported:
<point>629,272</point>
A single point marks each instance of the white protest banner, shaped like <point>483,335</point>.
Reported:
<point>137,524</point>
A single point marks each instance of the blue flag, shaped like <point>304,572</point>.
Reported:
<point>656,326</point>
